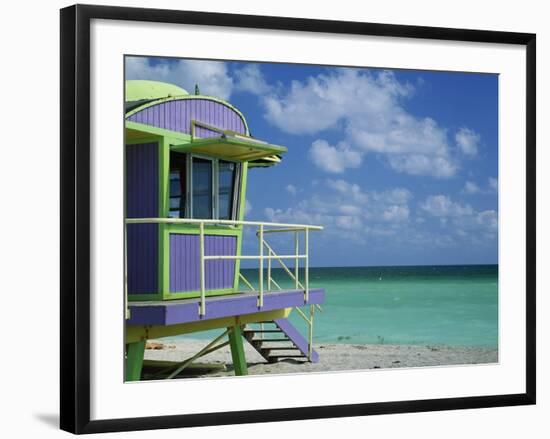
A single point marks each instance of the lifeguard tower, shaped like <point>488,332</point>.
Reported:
<point>187,159</point>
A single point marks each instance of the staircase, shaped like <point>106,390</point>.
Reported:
<point>279,339</point>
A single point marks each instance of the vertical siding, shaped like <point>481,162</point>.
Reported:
<point>142,202</point>
<point>142,180</point>
<point>142,250</point>
<point>184,262</point>
<point>177,115</point>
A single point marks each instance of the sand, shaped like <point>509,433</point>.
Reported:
<point>332,357</point>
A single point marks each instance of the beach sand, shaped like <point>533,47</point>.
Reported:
<point>332,357</point>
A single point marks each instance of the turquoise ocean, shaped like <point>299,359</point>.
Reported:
<point>418,305</point>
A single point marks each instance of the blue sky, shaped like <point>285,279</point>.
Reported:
<point>401,167</point>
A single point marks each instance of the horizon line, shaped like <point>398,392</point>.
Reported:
<point>385,266</point>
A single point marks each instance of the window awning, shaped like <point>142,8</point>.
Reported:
<point>234,147</point>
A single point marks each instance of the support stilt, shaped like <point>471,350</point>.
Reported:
<point>134,360</point>
<point>237,350</point>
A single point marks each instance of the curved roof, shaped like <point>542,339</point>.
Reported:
<point>140,90</point>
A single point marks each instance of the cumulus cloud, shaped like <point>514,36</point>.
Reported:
<point>334,159</point>
<point>471,188</point>
<point>467,141</point>
<point>351,190</point>
<point>212,77</point>
<point>367,107</point>
<point>250,79</point>
<point>291,189</point>
<point>396,213</point>
<point>347,210</point>
<point>464,219</point>
<point>443,206</point>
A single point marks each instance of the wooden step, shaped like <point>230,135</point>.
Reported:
<point>251,331</point>
<point>279,348</point>
<point>254,340</point>
<point>273,357</point>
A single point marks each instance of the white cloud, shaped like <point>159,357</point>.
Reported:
<point>250,79</point>
<point>351,189</point>
<point>348,211</point>
<point>291,189</point>
<point>247,207</point>
<point>471,188</point>
<point>443,206</point>
<point>212,77</point>
<point>467,141</point>
<point>466,221</point>
<point>334,159</point>
<point>417,164</point>
<point>368,108</point>
<point>488,219</point>
<point>394,196</point>
<point>396,213</point>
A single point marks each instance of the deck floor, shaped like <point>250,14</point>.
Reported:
<point>171,312</point>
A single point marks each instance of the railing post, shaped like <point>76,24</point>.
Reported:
<point>202,309</point>
<point>261,270</point>
<point>296,261</point>
<point>310,346</point>
<point>269,270</point>
<point>307,265</point>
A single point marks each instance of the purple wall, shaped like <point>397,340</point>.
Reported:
<point>142,202</point>
<point>142,251</point>
<point>142,180</point>
<point>177,115</point>
<point>184,262</point>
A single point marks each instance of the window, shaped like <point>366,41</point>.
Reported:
<point>203,188</point>
<point>178,185</point>
<point>226,189</point>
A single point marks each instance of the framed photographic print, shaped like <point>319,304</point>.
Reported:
<point>272,218</point>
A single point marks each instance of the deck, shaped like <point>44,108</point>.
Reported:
<point>174,312</point>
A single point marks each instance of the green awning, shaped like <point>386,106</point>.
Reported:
<point>233,147</point>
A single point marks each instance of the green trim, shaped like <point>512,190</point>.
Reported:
<point>187,229</point>
<point>196,293</point>
<point>163,198</point>
<point>208,229</point>
<point>151,139</point>
<point>182,98</point>
<point>240,215</point>
<point>237,350</point>
<point>144,297</point>
<point>134,360</point>
<point>138,90</point>
<point>242,193</point>
<point>230,148</point>
<point>170,136</point>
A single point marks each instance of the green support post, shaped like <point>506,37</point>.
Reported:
<point>237,350</point>
<point>134,360</point>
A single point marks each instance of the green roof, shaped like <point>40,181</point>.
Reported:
<point>139,90</point>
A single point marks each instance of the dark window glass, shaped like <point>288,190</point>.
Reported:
<point>226,186</point>
<point>202,188</point>
<point>178,182</point>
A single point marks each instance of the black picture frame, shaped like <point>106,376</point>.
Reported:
<point>75,217</point>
